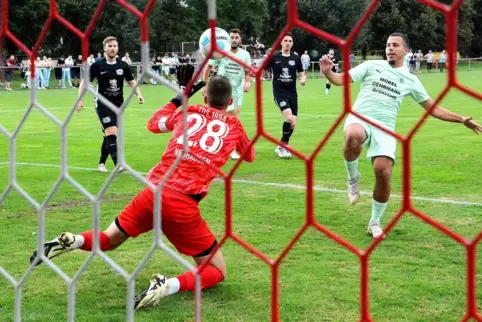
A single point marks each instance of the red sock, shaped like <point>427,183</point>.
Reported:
<point>210,276</point>
<point>89,241</point>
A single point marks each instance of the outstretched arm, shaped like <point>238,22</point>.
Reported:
<point>445,115</point>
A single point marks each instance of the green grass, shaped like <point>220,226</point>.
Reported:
<point>416,274</point>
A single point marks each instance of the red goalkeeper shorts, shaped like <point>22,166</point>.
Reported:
<point>181,220</point>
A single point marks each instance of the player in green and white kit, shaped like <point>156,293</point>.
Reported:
<point>384,85</point>
<point>239,77</point>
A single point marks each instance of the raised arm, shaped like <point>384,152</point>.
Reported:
<point>326,66</point>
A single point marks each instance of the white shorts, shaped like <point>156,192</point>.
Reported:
<point>379,143</point>
<point>237,101</point>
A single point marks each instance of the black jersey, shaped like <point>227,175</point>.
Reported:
<point>285,69</point>
<point>335,64</point>
<point>110,79</point>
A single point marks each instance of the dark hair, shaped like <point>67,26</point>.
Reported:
<point>403,36</point>
<point>219,92</point>
<point>289,34</point>
<point>235,31</point>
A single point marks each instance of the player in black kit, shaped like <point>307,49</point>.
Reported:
<point>285,66</point>
<point>331,53</point>
<point>110,73</point>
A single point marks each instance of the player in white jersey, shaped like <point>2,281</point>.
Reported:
<point>239,76</point>
<point>384,85</point>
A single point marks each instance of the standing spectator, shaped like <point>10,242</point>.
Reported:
<point>11,62</point>
<point>442,60</point>
<point>352,60</point>
<point>58,70</point>
<point>429,58</point>
<point>47,68</point>
<point>75,71</point>
<point>69,63</point>
<point>305,60</point>
<point>39,73</point>
<point>99,57</point>
<point>127,59</point>
<point>91,59</point>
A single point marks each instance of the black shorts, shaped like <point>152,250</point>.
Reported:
<point>75,73</point>
<point>8,77</point>
<point>58,73</point>
<point>107,117</point>
<point>172,70</point>
<point>286,101</point>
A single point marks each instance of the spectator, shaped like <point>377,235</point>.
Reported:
<point>69,63</point>
<point>11,62</point>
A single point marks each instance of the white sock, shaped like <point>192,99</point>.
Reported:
<point>174,286</point>
<point>79,241</point>
<point>352,169</point>
<point>378,208</point>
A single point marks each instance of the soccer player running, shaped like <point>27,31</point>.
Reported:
<point>212,136</point>
<point>239,76</point>
<point>336,65</point>
<point>110,73</point>
<point>384,85</point>
<point>285,65</point>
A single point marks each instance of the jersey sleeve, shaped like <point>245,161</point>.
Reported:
<point>164,119</point>
<point>94,72</point>
<point>299,65</point>
<point>247,59</point>
<point>128,73</point>
<point>243,146</point>
<point>359,72</point>
<point>419,93</point>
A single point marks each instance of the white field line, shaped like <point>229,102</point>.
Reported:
<point>152,110</point>
<point>277,185</point>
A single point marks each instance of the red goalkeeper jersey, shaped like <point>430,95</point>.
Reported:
<point>211,135</point>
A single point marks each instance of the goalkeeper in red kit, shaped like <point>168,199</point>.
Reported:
<point>212,136</point>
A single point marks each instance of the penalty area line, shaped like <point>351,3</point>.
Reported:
<point>274,184</point>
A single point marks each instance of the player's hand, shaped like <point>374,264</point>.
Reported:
<point>472,125</point>
<point>326,64</point>
<point>140,99</point>
<point>303,81</point>
<point>80,106</point>
<point>247,86</point>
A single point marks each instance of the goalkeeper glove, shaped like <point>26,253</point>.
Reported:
<point>184,75</point>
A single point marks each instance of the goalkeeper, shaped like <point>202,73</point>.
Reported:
<point>181,222</point>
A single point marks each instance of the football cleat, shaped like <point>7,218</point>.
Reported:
<point>102,168</point>
<point>61,244</point>
<point>375,229</point>
<point>157,290</point>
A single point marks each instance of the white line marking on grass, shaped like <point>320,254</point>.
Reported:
<point>277,185</point>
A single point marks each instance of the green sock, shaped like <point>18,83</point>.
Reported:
<point>378,208</point>
<point>352,169</point>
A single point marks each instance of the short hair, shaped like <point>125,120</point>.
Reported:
<point>219,92</point>
<point>403,36</point>
<point>108,40</point>
<point>235,31</point>
<point>289,34</point>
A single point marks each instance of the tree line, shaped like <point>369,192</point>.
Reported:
<point>175,21</point>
